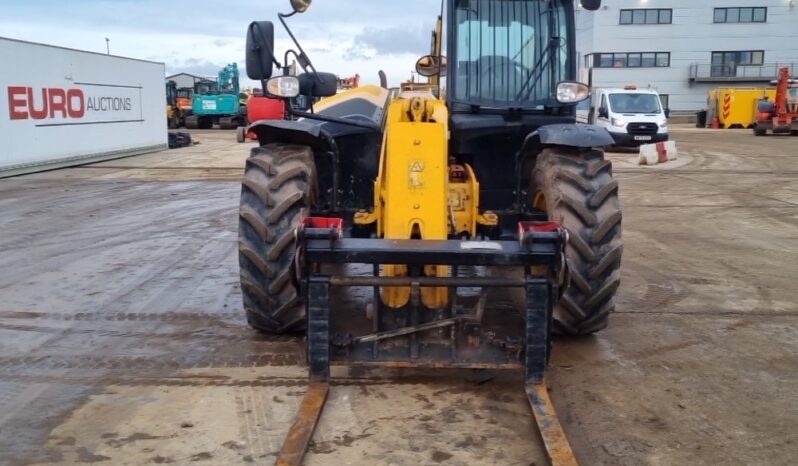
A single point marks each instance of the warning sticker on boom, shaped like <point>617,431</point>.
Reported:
<point>414,179</point>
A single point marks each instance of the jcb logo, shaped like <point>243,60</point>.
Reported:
<point>25,103</point>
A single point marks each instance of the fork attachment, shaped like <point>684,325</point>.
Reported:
<point>414,336</point>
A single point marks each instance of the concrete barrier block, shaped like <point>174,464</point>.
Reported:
<point>648,154</point>
<point>670,150</point>
<point>661,152</point>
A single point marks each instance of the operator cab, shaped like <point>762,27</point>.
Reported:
<point>511,70</point>
<point>507,54</point>
<point>510,66</point>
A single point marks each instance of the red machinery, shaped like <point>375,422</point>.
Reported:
<point>344,84</point>
<point>260,108</point>
<point>781,115</point>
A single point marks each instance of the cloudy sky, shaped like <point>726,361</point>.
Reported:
<point>340,36</point>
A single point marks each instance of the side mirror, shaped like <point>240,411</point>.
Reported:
<point>300,6</point>
<point>431,65</point>
<point>667,113</point>
<point>603,113</point>
<point>591,5</point>
<point>318,84</point>
<point>260,50</point>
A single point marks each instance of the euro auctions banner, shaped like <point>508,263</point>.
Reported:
<point>83,104</point>
<point>63,107</point>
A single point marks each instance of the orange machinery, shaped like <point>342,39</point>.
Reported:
<point>780,115</point>
<point>348,83</point>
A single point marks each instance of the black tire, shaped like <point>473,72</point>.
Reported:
<point>241,134</point>
<point>759,131</point>
<point>227,123</point>
<point>205,123</point>
<point>577,190</point>
<point>192,122</point>
<point>278,186</point>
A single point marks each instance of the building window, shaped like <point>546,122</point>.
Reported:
<point>629,60</point>
<point>724,64</point>
<point>741,15</point>
<point>664,100</point>
<point>647,16</point>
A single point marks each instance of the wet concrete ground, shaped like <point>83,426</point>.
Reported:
<point>122,338</point>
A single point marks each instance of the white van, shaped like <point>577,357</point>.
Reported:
<point>631,116</point>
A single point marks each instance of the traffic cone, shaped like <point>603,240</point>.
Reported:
<point>715,123</point>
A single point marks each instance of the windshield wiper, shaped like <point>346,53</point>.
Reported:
<point>533,82</point>
<point>535,75</point>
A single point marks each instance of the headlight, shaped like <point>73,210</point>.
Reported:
<point>569,92</point>
<point>283,86</point>
<point>619,122</point>
<point>664,123</point>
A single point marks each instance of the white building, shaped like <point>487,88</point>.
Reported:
<point>684,48</point>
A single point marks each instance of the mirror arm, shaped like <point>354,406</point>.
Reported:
<point>304,63</point>
<point>285,60</point>
<point>303,60</point>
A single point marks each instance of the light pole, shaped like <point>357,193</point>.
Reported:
<point>107,46</point>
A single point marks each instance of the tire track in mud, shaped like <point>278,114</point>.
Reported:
<point>655,290</point>
<point>202,334</point>
<point>204,325</point>
<point>702,171</point>
<point>289,356</point>
<point>159,380</point>
<point>156,380</point>
<point>125,316</point>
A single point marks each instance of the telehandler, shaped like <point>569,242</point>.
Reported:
<point>419,200</point>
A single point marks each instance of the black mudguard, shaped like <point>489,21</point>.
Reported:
<point>568,135</point>
<point>293,132</point>
<point>346,162</point>
<point>574,135</point>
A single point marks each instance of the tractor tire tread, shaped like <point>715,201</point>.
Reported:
<point>581,194</point>
<point>605,227</point>
<point>260,191</point>
<point>256,223</point>
<point>574,179</point>
<point>576,206</point>
<point>601,195</point>
<point>279,180</point>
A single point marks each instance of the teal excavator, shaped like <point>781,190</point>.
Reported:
<point>220,104</point>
